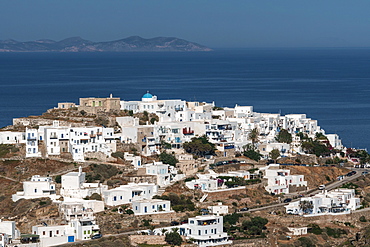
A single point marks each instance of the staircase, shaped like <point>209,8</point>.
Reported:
<point>204,197</point>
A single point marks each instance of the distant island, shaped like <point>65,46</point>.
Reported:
<point>77,44</point>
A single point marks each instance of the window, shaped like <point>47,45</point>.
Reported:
<point>35,190</point>
<point>57,231</point>
<point>199,232</point>
<point>114,198</point>
<point>43,232</point>
<point>164,205</point>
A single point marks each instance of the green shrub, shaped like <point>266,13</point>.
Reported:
<point>315,229</point>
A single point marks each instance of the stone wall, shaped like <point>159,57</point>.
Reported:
<point>222,195</point>
<point>146,239</point>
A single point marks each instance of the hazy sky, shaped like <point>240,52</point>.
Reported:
<point>214,23</point>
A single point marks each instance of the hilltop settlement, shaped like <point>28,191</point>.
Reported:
<point>152,172</point>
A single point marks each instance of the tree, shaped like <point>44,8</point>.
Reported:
<point>58,179</point>
<point>315,147</point>
<point>255,226</point>
<point>199,146</point>
<point>254,136</point>
<point>320,136</point>
<point>95,196</point>
<point>173,238</point>
<point>274,154</point>
<point>284,136</point>
<point>306,206</point>
<point>251,152</point>
<point>168,158</point>
<point>165,145</point>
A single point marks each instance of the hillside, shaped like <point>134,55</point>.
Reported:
<point>77,44</point>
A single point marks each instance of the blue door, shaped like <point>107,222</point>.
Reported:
<point>71,239</point>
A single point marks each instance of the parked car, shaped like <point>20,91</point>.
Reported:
<point>244,209</point>
<point>175,223</point>
<point>287,200</point>
<point>96,236</point>
<point>365,172</point>
<point>322,187</point>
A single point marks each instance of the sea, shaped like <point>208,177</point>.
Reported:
<point>328,85</point>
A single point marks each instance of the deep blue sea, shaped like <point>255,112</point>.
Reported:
<point>330,85</point>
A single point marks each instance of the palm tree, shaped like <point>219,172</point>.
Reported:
<point>254,136</point>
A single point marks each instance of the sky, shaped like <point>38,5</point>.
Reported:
<point>214,23</point>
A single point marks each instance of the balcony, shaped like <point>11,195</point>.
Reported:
<point>187,131</point>
<point>99,133</point>
<point>53,137</point>
<point>92,136</point>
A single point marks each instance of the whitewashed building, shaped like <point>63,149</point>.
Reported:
<point>151,206</point>
<point>74,186</point>
<point>32,148</point>
<point>37,187</point>
<point>82,229</point>
<point>9,228</point>
<point>219,209</point>
<point>125,194</point>
<point>205,184</point>
<point>205,230</point>
<point>72,208</point>
<point>12,137</point>
<point>338,201</point>
<point>279,181</point>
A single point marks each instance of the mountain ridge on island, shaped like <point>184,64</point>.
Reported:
<point>78,44</point>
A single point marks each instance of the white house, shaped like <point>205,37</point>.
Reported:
<point>279,181</point>
<point>297,231</point>
<point>9,228</point>
<point>4,239</point>
<point>72,208</point>
<point>135,160</point>
<point>219,209</point>
<point>151,206</point>
<point>54,235</point>
<point>73,185</point>
<point>205,230</point>
<point>338,201</point>
<point>37,187</point>
<point>335,141</point>
<point>82,229</point>
<point>205,184</point>
<point>12,137</point>
<point>125,194</point>
<point>32,148</point>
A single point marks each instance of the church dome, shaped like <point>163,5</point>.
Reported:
<point>147,96</point>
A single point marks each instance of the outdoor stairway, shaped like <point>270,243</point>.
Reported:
<point>204,197</point>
